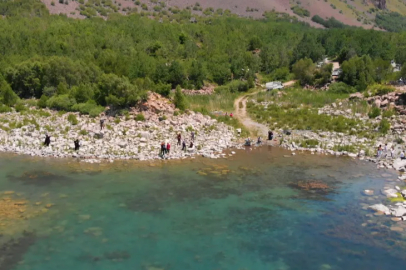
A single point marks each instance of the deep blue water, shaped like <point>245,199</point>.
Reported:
<point>245,212</point>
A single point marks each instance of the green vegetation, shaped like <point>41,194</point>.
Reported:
<point>391,21</point>
<point>300,11</point>
<point>140,117</point>
<point>179,100</point>
<point>86,65</point>
<point>72,119</point>
<point>330,23</point>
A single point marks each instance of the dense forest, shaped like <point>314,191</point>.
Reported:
<point>82,64</point>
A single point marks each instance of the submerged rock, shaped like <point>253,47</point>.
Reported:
<point>380,208</point>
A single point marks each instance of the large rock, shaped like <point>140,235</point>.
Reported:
<point>399,164</point>
<point>380,208</point>
<point>398,211</point>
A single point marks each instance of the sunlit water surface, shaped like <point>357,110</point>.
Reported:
<point>250,211</point>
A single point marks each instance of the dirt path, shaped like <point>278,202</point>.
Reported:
<point>240,105</point>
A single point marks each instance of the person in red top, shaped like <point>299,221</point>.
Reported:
<point>168,148</point>
<point>231,115</point>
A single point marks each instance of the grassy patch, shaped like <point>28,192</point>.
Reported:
<point>207,104</point>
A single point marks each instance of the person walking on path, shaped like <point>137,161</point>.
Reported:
<point>47,141</point>
<point>168,148</point>
<point>77,144</point>
<point>101,124</point>
<point>183,145</point>
<point>179,139</point>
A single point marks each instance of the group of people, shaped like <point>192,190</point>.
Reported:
<point>385,152</point>
<point>231,115</point>
<point>166,147</point>
<point>47,142</point>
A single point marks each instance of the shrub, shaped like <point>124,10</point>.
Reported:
<point>90,108</point>
<point>4,108</point>
<point>180,101</point>
<point>20,107</point>
<point>62,102</point>
<point>83,132</point>
<point>140,117</point>
<point>380,90</point>
<point>72,119</point>
<point>374,113</point>
<point>384,126</point>
<point>42,102</point>
<point>341,88</point>
<point>388,113</point>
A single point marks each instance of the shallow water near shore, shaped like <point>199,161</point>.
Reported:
<point>256,210</point>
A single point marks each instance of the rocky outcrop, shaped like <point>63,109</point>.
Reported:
<point>381,4</point>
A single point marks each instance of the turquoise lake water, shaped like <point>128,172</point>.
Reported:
<point>245,212</point>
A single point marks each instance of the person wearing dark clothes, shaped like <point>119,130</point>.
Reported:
<point>270,135</point>
<point>47,140</point>
<point>179,139</point>
<point>77,144</point>
<point>192,135</point>
<point>101,124</point>
<point>168,148</point>
<point>183,145</point>
<point>191,145</point>
<point>162,149</point>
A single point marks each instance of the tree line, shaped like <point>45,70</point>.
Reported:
<point>84,64</point>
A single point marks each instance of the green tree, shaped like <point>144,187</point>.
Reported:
<point>9,98</point>
<point>180,100</point>
<point>304,71</point>
<point>197,74</point>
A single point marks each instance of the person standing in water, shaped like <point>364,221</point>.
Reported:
<point>47,141</point>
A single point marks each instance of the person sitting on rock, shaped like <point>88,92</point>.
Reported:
<point>168,148</point>
<point>191,144</point>
<point>101,124</point>
<point>402,155</point>
<point>77,144</point>
<point>47,140</point>
<point>259,141</point>
<point>183,145</point>
<point>179,139</point>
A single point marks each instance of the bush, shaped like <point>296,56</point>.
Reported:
<point>20,107</point>
<point>72,119</point>
<point>4,108</point>
<point>90,108</point>
<point>374,113</point>
<point>42,102</point>
<point>300,11</point>
<point>341,88</point>
<point>140,117</point>
<point>380,90</point>
<point>384,126</point>
<point>180,101</point>
<point>62,102</point>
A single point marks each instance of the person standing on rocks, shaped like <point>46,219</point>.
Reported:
<point>270,135</point>
<point>47,141</point>
<point>162,153</point>
<point>168,148</point>
<point>379,153</point>
<point>179,139</point>
<point>231,115</point>
<point>402,155</point>
<point>192,136</point>
<point>77,144</point>
<point>191,144</point>
<point>101,124</point>
<point>183,145</point>
<point>392,152</point>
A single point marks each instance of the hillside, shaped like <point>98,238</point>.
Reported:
<point>350,12</point>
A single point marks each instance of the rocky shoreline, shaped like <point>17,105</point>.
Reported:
<point>122,138</point>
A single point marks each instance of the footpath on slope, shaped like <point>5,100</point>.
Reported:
<point>240,105</point>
